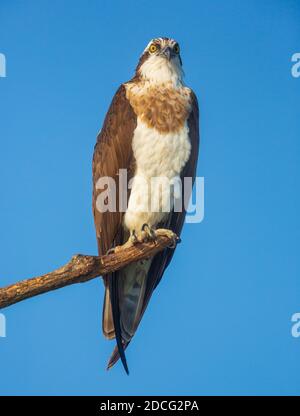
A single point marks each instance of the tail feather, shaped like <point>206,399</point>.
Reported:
<point>131,290</point>
<point>115,356</point>
<point>116,319</point>
<point>107,316</point>
<point>123,305</point>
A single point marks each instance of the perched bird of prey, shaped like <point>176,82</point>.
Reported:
<point>151,130</point>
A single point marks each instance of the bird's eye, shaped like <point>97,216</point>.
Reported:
<point>176,48</point>
<point>152,48</point>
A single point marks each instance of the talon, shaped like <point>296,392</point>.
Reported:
<point>150,233</point>
<point>175,240</point>
<point>143,237</point>
<point>174,244</point>
<point>133,237</point>
<point>110,251</point>
<point>145,226</point>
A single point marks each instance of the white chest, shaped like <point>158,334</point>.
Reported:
<point>160,159</point>
<point>159,154</point>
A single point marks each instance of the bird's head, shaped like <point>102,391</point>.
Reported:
<point>161,62</point>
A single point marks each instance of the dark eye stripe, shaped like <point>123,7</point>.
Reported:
<point>176,48</point>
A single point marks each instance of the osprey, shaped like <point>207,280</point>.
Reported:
<point>151,130</point>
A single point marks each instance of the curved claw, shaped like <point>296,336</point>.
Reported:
<point>145,226</point>
<point>133,237</point>
<point>151,234</point>
<point>174,244</point>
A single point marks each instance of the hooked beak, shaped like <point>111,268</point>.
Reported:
<point>167,53</point>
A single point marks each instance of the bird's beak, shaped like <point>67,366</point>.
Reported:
<point>167,53</point>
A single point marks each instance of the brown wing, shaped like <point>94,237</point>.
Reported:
<point>113,151</point>
<point>175,221</point>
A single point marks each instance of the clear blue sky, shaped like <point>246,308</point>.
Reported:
<point>220,322</point>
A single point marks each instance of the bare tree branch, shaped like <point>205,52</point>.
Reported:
<point>83,268</point>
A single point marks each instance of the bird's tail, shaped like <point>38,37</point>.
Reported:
<point>110,316</point>
<point>115,356</point>
<point>123,306</point>
<point>113,287</point>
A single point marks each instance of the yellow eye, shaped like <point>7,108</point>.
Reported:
<point>176,48</point>
<point>152,48</point>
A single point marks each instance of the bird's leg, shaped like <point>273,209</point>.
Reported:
<point>144,235</point>
<point>133,239</point>
<point>148,233</point>
<point>110,251</point>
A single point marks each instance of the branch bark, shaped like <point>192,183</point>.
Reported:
<point>82,268</point>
